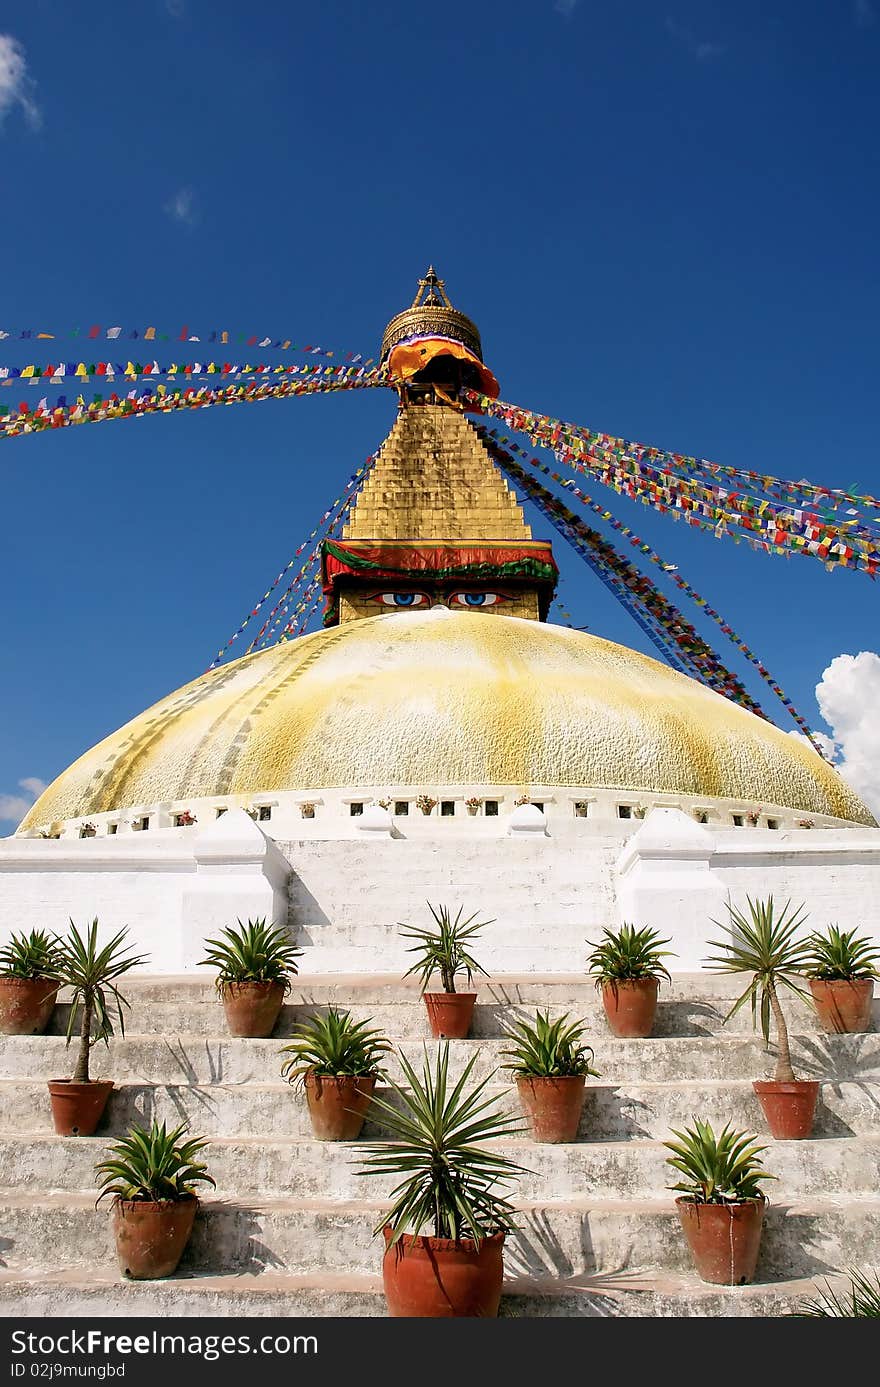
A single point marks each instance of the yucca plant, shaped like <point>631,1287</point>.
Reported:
<point>840,955</point>
<point>446,949</point>
<point>627,954</point>
<point>764,942</point>
<point>34,955</point>
<point>152,1165</point>
<point>722,1169</point>
<point>451,1185</point>
<point>255,952</point>
<point>334,1044</point>
<point>91,974</point>
<point>861,1301</point>
<point>549,1049</point>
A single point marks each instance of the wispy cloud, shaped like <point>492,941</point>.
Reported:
<point>864,14</point>
<point>703,50</point>
<point>565,7</point>
<point>176,8</point>
<point>16,84</point>
<point>14,807</point>
<point>182,207</point>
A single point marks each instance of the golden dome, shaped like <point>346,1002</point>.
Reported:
<point>431,315</point>
<point>445,698</point>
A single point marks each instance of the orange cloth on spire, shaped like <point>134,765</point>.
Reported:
<point>408,358</point>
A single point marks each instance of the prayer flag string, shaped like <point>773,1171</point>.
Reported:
<point>672,572</point>
<point>770,528</point>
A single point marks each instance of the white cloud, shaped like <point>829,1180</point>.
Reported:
<point>701,49</point>
<point>864,14</point>
<point>14,807</point>
<point>182,207</point>
<point>16,84</point>
<point>176,8</point>
<point>565,7</point>
<point>848,695</point>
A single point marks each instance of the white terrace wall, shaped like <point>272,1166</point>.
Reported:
<point>677,876</point>
<point>346,897</point>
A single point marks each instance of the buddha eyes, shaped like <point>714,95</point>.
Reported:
<point>409,600</point>
<point>475,599</point>
<point>402,599</point>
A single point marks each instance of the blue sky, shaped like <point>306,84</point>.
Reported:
<point>662,217</point>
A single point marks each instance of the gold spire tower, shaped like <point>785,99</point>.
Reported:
<point>435,523</point>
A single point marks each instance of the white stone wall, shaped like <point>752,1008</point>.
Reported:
<point>546,890</point>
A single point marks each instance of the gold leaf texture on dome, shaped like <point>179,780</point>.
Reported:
<point>444,698</point>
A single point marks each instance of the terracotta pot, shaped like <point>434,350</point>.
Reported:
<point>724,1239</point>
<point>78,1108</point>
<point>151,1236</point>
<point>338,1104</point>
<point>788,1107</point>
<point>552,1105</point>
<point>26,1005</point>
<point>442,1278</point>
<point>843,1004</point>
<point>252,1008</point>
<point>630,1006</point>
<point>450,1013</point>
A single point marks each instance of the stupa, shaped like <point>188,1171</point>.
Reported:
<point>441,740</point>
<point>440,718</point>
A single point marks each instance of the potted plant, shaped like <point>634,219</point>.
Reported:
<point>91,974</point>
<point>472,804</point>
<point>255,963</point>
<point>764,943</point>
<point>151,1176</point>
<point>446,951</point>
<point>550,1066</point>
<point>425,803</point>
<point>307,809</point>
<point>841,967</point>
<point>337,1061</point>
<point>627,970</point>
<point>28,983</point>
<point>721,1207</point>
<point>451,1187</point>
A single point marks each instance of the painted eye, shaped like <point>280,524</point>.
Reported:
<point>401,599</point>
<point>475,599</point>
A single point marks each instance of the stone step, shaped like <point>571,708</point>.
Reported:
<point>74,1294</point>
<point>409,1019</point>
<point>565,1238</point>
<point>612,1112</point>
<point>691,1004</point>
<point>302,1168</point>
<point>201,1059</point>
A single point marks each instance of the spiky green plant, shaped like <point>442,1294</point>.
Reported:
<point>446,949</point>
<point>451,1185</point>
<point>627,954</point>
<point>549,1049</point>
<point>841,955</point>
<point>91,973</point>
<point>861,1301</point>
<point>255,952</point>
<point>30,956</point>
<point>765,943</point>
<point>334,1044</point>
<point>721,1169</point>
<point>153,1164</point>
